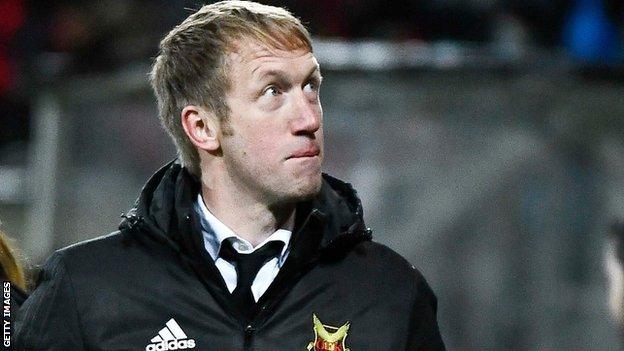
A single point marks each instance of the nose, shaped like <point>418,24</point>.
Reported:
<point>307,115</point>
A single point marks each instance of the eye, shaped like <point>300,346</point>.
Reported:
<point>312,86</point>
<point>271,91</point>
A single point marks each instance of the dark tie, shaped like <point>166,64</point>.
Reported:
<point>247,267</point>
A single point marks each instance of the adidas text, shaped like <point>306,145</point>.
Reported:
<point>171,345</point>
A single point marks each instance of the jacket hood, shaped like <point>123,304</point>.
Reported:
<point>166,203</point>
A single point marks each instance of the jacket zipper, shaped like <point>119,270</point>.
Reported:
<point>248,338</point>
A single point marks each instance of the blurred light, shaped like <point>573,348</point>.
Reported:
<point>590,35</point>
<point>11,184</point>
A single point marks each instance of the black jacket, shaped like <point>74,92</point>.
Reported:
<point>119,291</point>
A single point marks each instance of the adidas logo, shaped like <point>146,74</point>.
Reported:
<point>171,337</point>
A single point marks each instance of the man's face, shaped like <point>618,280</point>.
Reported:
<point>272,143</point>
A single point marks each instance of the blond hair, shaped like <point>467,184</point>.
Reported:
<point>9,264</point>
<point>191,68</point>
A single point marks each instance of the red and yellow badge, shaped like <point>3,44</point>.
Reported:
<point>328,338</point>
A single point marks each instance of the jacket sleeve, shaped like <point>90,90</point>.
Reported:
<point>424,334</point>
<point>48,319</point>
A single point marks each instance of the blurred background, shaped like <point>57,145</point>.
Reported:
<point>485,138</point>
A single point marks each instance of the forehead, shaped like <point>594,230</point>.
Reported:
<point>253,57</point>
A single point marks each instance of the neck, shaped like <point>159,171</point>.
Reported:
<point>248,217</point>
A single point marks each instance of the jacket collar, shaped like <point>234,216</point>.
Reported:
<point>165,211</point>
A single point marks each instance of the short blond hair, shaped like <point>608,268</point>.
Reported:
<point>191,68</point>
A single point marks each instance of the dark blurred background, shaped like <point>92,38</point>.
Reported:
<point>485,138</point>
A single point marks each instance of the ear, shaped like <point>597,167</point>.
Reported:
<point>201,127</point>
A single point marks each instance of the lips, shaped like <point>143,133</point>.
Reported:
<point>309,151</point>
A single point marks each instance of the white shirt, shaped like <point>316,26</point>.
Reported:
<point>215,232</point>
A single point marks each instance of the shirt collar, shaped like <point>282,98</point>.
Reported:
<point>215,232</point>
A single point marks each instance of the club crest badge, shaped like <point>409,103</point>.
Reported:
<point>328,338</point>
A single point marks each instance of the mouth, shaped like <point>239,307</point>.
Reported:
<point>308,152</point>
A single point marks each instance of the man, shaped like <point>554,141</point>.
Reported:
<point>243,244</point>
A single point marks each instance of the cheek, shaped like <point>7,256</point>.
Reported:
<point>319,137</point>
<point>262,147</point>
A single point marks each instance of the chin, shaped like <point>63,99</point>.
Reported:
<point>305,190</point>
<point>312,191</point>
